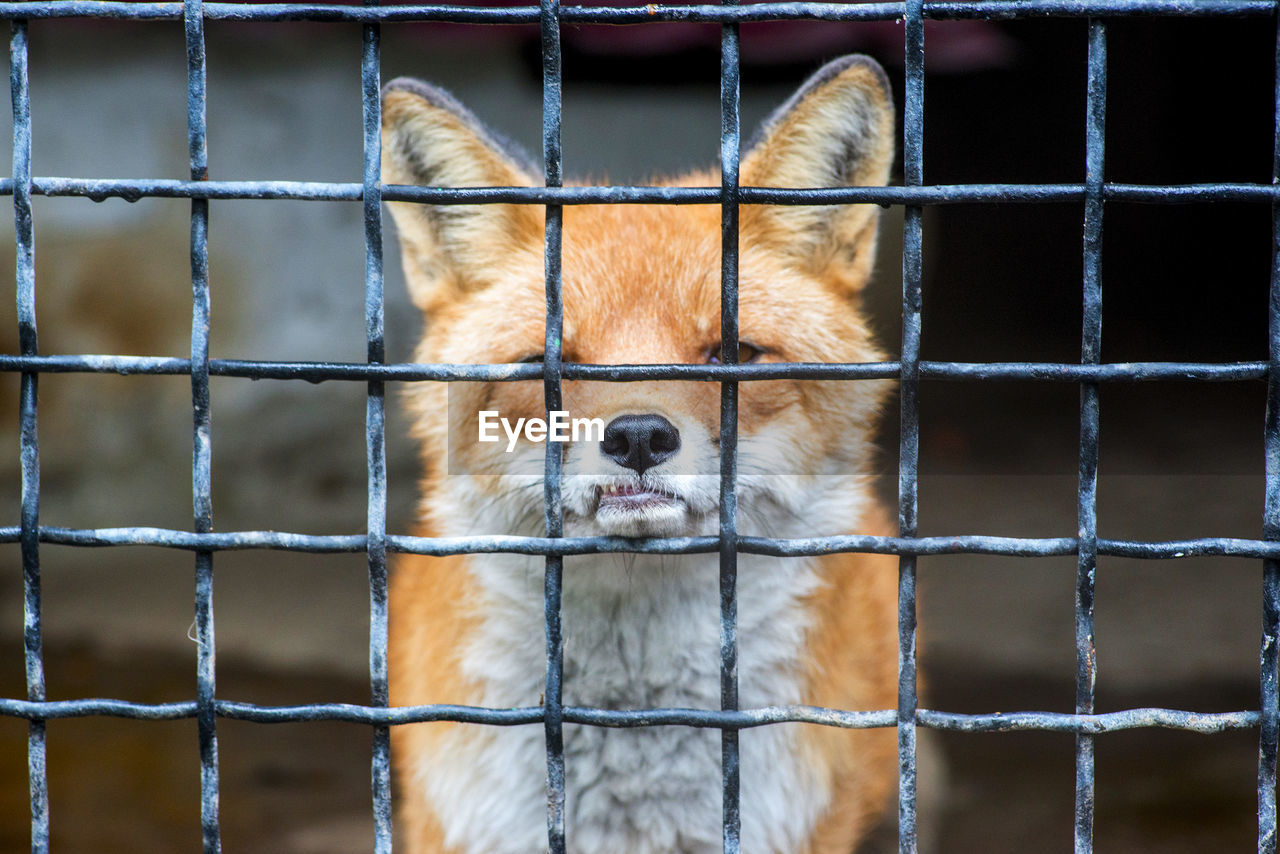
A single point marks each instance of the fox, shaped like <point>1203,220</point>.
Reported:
<point>641,284</point>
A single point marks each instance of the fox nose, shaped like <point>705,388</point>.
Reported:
<point>640,442</point>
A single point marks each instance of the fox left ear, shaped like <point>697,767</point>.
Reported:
<point>429,139</point>
<point>836,131</point>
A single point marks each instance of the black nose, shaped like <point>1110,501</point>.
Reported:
<point>640,442</point>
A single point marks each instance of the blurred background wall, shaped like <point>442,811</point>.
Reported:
<point>1190,101</point>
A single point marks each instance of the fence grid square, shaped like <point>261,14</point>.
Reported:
<point>1092,193</point>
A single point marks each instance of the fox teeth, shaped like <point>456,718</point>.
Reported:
<point>616,491</point>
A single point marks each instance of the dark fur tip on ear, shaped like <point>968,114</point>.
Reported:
<point>836,67</point>
<point>441,99</point>
<point>817,80</point>
<point>433,95</point>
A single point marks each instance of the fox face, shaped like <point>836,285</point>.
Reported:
<point>642,284</point>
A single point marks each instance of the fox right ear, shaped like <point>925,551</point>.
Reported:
<point>429,139</point>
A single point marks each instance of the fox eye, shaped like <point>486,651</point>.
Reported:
<point>533,359</point>
<point>747,353</point>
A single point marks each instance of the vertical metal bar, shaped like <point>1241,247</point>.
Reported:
<point>25,278</point>
<point>730,152</point>
<point>553,712</point>
<point>375,427</point>
<point>202,449</point>
<point>1269,656</point>
<point>909,438</point>
<point>1090,351</point>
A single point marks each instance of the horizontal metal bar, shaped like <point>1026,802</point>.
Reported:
<point>711,373</point>
<point>347,543</point>
<point>961,9</point>
<point>316,372</point>
<point>1010,9</point>
<point>1189,721</point>
<point>937,194</point>
<point>59,709</point>
<point>308,371</point>
<point>134,189</point>
<point>543,546</point>
<point>1207,723</point>
<point>1112,372</point>
<point>1005,546</point>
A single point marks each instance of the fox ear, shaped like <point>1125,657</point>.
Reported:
<point>429,139</point>
<point>836,130</point>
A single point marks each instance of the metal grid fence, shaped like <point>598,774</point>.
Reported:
<point>1094,192</point>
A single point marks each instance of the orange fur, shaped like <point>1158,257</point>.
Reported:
<point>641,285</point>
<point>853,665</point>
<point>428,613</point>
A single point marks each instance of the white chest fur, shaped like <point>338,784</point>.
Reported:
<point>640,632</point>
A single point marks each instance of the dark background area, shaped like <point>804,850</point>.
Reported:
<point>1189,101</point>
